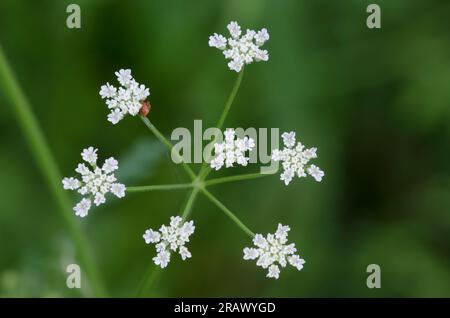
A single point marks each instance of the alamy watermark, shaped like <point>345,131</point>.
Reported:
<point>189,146</point>
<point>74,278</point>
<point>374,279</point>
<point>374,19</point>
<point>73,20</point>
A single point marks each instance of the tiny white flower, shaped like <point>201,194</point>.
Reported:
<point>151,236</point>
<point>95,182</point>
<point>277,155</point>
<point>99,199</point>
<point>250,253</point>
<point>262,36</point>
<point>171,238</point>
<point>82,207</point>
<point>282,231</point>
<point>89,155</point>
<point>287,176</point>
<point>162,259</point>
<point>240,48</point>
<point>231,151</point>
<point>234,28</point>
<point>216,163</point>
<point>296,261</point>
<point>229,134</point>
<point>274,271</point>
<point>125,100</point>
<point>118,189</point>
<point>236,65</point>
<point>115,116</point>
<point>184,253</point>
<point>108,91</point>
<point>71,183</point>
<point>260,241</point>
<point>295,159</point>
<point>110,165</point>
<point>124,77</point>
<point>82,169</point>
<point>316,173</point>
<point>217,41</point>
<point>289,139</point>
<point>261,55</point>
<point>273,250</point>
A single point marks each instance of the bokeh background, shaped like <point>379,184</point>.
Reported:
<point>376,103</point>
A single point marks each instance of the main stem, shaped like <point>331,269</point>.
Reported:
<point>48,167</point>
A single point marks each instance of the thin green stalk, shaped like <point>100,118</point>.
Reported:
<point>49,169</point>
<point>168,144</point>
<point>190,202</point>
<point>226,108</point>
<point>150,278</point>
<point>230,100</point>
<point>235,178</point>
<point>159,187</point>
<point>230,214</point>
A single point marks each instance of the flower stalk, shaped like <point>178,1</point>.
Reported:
<point>159,187</point>
<point>227,212</point>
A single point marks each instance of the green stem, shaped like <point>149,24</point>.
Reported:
<point>150,278</point>
<point>230,214</point>
<point>230,100</point>
<point>190,202</point>
<point>49,169</point>
<point>235,178</point>
<point>226,108</point>
<point>159,187</point>
<point>169,146</point>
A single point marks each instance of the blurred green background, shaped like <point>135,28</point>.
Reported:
<point>376,103</point>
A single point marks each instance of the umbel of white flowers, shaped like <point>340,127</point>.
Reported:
<point>231,151</point>
<point>127,99</point>
<point>272,250</point>
<point>95,182</point>
<point>241,48</point>
<point>295,159</point>
<point>169,239</point>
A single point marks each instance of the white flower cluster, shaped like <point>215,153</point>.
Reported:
<point>239,49</point>
<point>232,150</point>
<point>295,158</point>
<point>94,183</point>
<point>274,249</point>
<point>170,238</point>
<point>125,100</point>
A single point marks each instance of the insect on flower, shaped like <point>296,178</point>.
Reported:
<point>145,108</point>
<point>127,99</point>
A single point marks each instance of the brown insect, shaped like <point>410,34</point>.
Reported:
<point>145,108</point>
